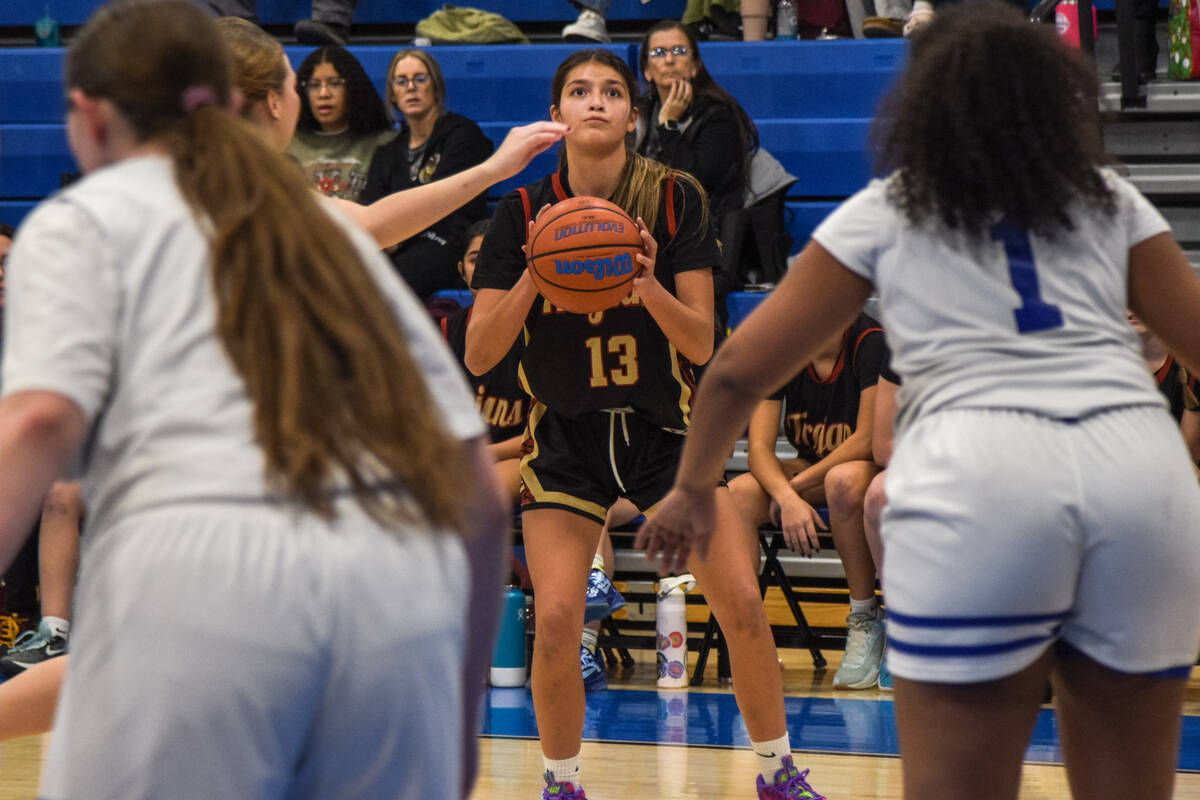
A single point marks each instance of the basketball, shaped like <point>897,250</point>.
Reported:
<point>582,254</point>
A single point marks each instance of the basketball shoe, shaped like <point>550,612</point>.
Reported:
<point>592,667</point>
<point>561,791</point>
<point>789,784</point>
<point>864,652</point>
<point>33,647</point>
<point>602,597</point>
<point>590,27</point>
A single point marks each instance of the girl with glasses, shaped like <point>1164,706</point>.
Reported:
<point>433,143</point>
<point>342,122</point>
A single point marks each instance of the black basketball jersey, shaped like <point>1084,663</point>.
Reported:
<point>1178,387</point>
<point>619,358</point>
<point>818,415</point>
<point>501,400</point>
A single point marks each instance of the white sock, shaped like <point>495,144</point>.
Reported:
<point>598,562</point>
<point>770,756</point>
<point>870,606</point>
<point>565,770</point>
<point>588,639</point>
<point>58,626</point>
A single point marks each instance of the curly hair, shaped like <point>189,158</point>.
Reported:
<point>994,118</point>
<point>363,106</point>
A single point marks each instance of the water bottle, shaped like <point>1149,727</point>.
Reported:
<point>46,31</point>
<point>785,20</point>
<point>508,659</point>
<point>1066,22</point>
<point>671,627</point>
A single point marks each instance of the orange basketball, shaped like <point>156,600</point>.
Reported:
<point>582,254</point>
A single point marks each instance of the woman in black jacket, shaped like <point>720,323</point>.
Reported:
<point>432,144</point>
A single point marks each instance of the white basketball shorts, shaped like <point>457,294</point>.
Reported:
<point>1005,531</point>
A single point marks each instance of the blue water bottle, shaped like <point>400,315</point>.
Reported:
<point>508,659</point>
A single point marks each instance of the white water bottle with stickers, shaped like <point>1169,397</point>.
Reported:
<point>671,627</point>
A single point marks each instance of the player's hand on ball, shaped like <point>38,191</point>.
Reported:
<point>683,524</point>
<point>647,258</point>
<point>529,229</point>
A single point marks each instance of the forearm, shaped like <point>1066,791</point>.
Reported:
<point>496,322</point>
<point>401,215</point>
<point>28,700</point>
<point>39,434</point>
<point>689,330</point>
<point>768,471</point>
<point>856,447</point>
<point>507,449</point>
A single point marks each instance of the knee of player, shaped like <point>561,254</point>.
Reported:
<point>63,499</point>
<point>846,486</point>
<point>558,620</point>
<point>875,499</point>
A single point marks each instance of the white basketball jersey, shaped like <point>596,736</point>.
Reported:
<point>1009,321</point>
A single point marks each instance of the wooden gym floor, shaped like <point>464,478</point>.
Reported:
<point>642,744</point>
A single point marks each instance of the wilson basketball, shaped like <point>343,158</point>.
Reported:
<point>582,254</point>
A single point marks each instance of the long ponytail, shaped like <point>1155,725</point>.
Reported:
<point>337,395</point>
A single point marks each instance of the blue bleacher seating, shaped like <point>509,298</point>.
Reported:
<point>813,102</point>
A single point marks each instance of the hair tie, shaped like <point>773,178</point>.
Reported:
<point>195,96</point>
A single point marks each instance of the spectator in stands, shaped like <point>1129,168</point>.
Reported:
<point>342,122</point>
<point>330,23</point>
<point>824,18</point>
<point>1175,383</point>
<point>265,78</point>
<point>687,121</point>
<point>828,412</point>
<point>591,25</point>
<point>58,561</point>
<point>432,144</point>
<point>499,395</point>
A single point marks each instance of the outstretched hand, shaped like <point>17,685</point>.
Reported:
<point>523,144</point>
<point>682,523</point>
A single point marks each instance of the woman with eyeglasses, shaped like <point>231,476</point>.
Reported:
<point>342,122</point>
<point>432,144</point>
<point>687,121</point>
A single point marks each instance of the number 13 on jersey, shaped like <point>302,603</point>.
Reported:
<point>625,373</point>
<point>1034,314</point>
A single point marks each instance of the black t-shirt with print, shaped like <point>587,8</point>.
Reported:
<point>619,358</point>
<point>501,400</point>
<point>818,415</point>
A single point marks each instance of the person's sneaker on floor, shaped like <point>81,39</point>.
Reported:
<point>594,678</point>
<point>789,784</point>
<point>312,32</point>
<point>882,28</point>
<point>561,791</point>
<point>590,27</point>
<point>602,597</point>
<point>864,651</point>
<point>33,647</point>
<point>885,675</point>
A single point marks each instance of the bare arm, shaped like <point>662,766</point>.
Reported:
<point>487,542</point>
<point>498,317</point>
<point>856,446</point>
<point>1164,291</point>
<point>392,219</point>
<point>40,432</point>
<point>817,296</point>
<point>760,450</point>
<point>686,317</point>
<point>509,448</point>
<point>885,420</point>
<point>28,700</point>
